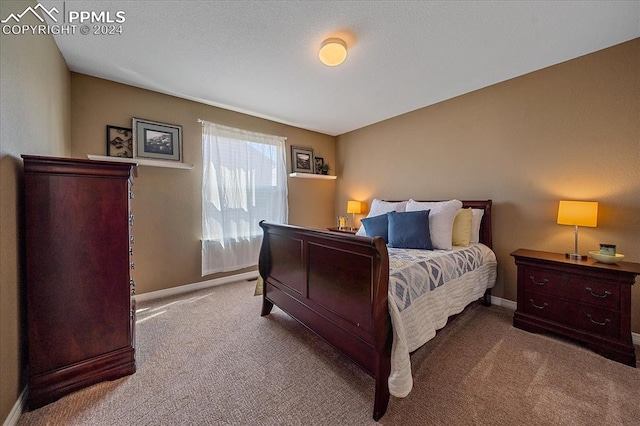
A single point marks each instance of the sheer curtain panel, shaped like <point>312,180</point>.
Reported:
<point>244,181</point>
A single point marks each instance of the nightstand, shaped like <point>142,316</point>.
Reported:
<point>345,230</point>
<point>580,299</point>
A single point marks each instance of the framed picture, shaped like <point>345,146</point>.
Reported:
<point>302,160</point>
<point>160,141</point>
<point>319,162</point>
<point>119,142</point>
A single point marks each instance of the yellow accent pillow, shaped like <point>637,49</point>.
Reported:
<point>462,228</point>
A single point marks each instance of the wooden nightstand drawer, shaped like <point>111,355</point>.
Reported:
<point>544,306</point>
<point>603,295</point>
<point>545,281</point>
<point>594,320</point>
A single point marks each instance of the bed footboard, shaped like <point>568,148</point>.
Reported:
<point>337,286</point>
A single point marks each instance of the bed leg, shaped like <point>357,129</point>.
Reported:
<point>266,307</point>
<point>382,371</point>
<point>381,399</point>
<point>486,299</point>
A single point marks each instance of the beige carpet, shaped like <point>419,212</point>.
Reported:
<point>208,358</point>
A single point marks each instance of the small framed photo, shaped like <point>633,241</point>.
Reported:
<point>160,141</point>
<point>319,162</point>
<point>302,160</point>
<point>119,142</point>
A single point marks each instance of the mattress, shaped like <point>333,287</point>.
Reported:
<point>426,287</point>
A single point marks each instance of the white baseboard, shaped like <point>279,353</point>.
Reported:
<point>16,411</point>
<point>499,301</point>
<point>510,304</point>
<point>196,286</point>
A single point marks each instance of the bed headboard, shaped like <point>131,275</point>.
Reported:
<point>485,224</point>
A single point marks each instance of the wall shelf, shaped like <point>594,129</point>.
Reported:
<point>142,162</point>
<point>312,176</point>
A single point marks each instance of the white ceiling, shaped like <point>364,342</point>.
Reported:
<point>260,57</point>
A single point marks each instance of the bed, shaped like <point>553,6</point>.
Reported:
<point>363,297</point>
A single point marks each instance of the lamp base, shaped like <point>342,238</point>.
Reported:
<point>575,256</point>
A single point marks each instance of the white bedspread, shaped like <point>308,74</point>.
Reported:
<point>425,288</point>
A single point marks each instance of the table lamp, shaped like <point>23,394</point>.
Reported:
<point>577,213</point>
<point>354,207</point>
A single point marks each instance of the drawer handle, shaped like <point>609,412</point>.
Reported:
<point>544,305</point>
<point>538,283</point>
<point>601,296</point>
<point>606,321</point>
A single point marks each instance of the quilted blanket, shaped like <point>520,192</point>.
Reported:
<point>425,288</point>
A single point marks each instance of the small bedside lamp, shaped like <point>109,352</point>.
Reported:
<point>577,213</point>
<point>354,207</point>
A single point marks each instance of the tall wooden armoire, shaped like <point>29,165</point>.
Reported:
<point>80,313</point>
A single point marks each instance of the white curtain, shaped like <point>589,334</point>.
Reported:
<point>244,181</point>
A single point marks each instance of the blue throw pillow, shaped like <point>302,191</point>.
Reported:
<point>376,226</point>
<point>409,230</point>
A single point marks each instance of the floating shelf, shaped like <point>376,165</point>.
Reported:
<point>312,176</point>
<point>142,162</point>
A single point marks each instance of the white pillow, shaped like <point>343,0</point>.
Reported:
<point>475,225</point>
<point>441,220</point>
<point>379,207</point>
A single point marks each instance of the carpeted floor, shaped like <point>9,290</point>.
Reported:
<point>208,358</point>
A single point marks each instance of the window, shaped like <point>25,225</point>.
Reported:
<point>244,181</point>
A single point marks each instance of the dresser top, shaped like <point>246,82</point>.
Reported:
<point>589,262</point>
<point>34,164</point>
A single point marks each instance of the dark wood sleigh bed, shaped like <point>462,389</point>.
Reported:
<point>336,285</point>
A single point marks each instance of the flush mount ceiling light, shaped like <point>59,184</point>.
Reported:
<point>333,51</point>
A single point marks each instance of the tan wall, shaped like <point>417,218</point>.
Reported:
<point>167,203</point>
<point>571,131</point>
<point>35,119</point>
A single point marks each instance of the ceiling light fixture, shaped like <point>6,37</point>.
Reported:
<point>333,52</point>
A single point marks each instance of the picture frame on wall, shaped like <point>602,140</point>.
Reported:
<point>319,164</point>
<point>302,160</point>
<point>159,141</point>
<point>119,142</point>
